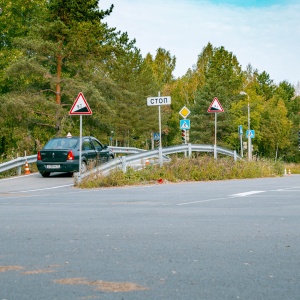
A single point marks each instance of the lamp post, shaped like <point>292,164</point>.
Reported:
<point>249,128</point>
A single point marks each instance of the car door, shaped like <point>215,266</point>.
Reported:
<point>88,151</point>
<point>102,151</point>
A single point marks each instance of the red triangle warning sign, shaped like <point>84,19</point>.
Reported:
<point>215,106</point>
<point>80,106</point>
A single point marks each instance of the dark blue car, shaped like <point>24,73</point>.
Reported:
<point>61,154</point>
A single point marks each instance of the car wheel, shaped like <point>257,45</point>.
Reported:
<point>45,174</point>
<point>83,167</point>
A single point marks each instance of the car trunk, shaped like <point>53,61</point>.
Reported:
<point>54,155</point>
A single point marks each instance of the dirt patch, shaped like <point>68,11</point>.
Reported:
<point>75,281</point>
<point>41,271</point>
<point>10,268</point>
<point>49,269</point>
<point>104,286</point>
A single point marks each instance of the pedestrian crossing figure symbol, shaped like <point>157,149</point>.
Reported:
<point>185,124</point>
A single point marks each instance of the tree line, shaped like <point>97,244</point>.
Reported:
<point>50,50</point>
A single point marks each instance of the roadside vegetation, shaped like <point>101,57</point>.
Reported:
<point>292,168</point>
<point>198,168</point>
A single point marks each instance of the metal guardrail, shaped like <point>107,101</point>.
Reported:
<point>122,162</point>
<point>17,163</point>
<point>126,150</point>
<point>142,157</point>
<point>20,161</point>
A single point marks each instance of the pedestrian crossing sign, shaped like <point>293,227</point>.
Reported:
<point>185,124</point>
<point>156,136</point>
<point>250,133</point>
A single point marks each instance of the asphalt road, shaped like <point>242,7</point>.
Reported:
<point>236,239</point>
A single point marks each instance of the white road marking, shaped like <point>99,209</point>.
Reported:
<point>201,201</point>
<point>17,177</point>
<point>224,198</point>
<point>246,194</point>
<point>43,189</point>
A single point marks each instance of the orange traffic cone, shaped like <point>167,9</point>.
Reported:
<point>289,172</point>
<point>27,171</point>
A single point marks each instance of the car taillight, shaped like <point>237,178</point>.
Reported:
<point>39,157</point>
<point>70,155</point>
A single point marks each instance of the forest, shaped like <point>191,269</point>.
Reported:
<point>51,50</point>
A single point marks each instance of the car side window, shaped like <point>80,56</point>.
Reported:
<point>86,145</point>
<point>97,145</point>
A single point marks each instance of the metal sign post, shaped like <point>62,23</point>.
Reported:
<point>185,124</point>
<point>241,139</point>
<point>215,145</point>
<point>80,107</point>
<point>215,107</point>
<point>80,145</point>
<point>158,101</point>
<point>159,125</point>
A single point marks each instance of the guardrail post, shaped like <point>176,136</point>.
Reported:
<point>77,178</point>
<point>234,155</point>
<point>124,165</point>
<point>19,170</point>
<point>190,149</point>
<point>160,156</point>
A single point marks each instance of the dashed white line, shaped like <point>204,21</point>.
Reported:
<point>43,189</point>
<point>201,201</point>
<point>247,194</point>
<point>223,198</point>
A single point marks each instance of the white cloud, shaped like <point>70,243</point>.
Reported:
<point>268,38</point>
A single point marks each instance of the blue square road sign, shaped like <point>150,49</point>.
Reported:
<point>185,124</point>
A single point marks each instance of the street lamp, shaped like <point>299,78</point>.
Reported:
<point>249,132</point>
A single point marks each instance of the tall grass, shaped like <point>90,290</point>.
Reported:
<point>293,168</point>
<point>199,168</point>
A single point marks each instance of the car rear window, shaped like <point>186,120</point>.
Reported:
<point>61,143</point>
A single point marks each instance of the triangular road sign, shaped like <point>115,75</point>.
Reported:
<point>215,106</point>
<point>80,106</point>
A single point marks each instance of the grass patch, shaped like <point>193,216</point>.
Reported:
<point>294,168</point>
<point>199,168</point>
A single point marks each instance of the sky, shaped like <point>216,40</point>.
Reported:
<point>263,33</point>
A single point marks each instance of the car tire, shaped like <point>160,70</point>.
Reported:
<point>45,174</point>
<point>83,168</point>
